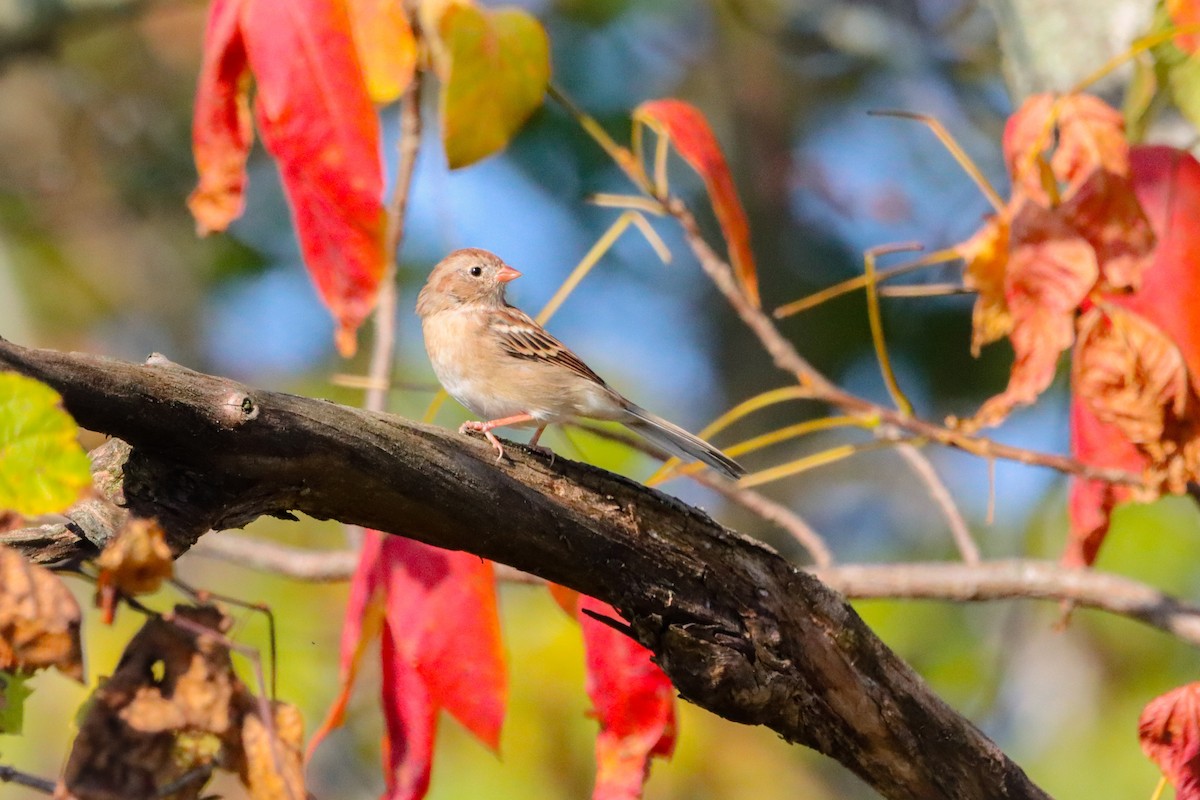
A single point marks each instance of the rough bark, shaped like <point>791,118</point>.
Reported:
<point>740,631</point>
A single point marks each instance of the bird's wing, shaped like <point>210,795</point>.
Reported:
<point>521,337</point>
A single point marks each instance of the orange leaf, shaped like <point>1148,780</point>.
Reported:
<point>632,699</point>
<point>985,256</point>
<point>316,119</point>
<point>1185,12</point>
<point>1090,137</point>
<point>441,649</point>
<point>386,46</point>
<point>1050,272</point>
<point>221,131</point>
<point>136,561</point>
<point>1169,731</point>
<point>694,140</point>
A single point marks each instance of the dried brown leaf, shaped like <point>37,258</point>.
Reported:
<point>137,560</point>
<point>147,725</point>
<point>277,775</point>
<point>39,619</point>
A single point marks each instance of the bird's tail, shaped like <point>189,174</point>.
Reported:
<point>678,442</point>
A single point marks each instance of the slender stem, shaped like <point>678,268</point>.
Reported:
<point>875,321</point>
<point>944,500</point>
<point>12,775</point>
<point>859,281</point>
<point>925,290</point>
<point>384,350</point>
<point>960,155</point>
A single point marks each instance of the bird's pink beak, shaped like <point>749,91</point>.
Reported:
<point>507,274</point>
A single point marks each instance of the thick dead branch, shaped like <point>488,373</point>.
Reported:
<point>739,630</point>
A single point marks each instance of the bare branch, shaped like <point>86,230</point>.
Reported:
<point>1001,580</point>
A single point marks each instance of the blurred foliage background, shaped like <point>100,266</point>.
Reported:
<point>98,253</point>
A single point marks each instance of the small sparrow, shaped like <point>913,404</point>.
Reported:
<point>495,360</point>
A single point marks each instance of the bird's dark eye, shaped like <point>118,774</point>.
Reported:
<point>476,272</point>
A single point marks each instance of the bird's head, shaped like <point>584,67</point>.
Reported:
<point>468,276</point>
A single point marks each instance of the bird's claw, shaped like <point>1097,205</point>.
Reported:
<point>480,427</point>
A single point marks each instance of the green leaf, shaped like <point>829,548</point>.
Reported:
<point>13,693</point>
<point>498,68</point>
<point>42,467</point>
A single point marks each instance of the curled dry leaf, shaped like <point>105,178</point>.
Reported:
<point>277,775</point>
<point>135,561</point>
<point>1133,377</point>
<point>1049,273</point>
<point>39,619</point>
<point>1169,731</point>
<point>1073,136</point>
<point>171,689</point>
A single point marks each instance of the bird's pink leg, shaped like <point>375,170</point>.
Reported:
<point>533,440</point>
<point>486,429</point>
<point>533,444</point>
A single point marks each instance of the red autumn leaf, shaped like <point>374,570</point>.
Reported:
<point>632,699</point>
<point>1091,502</point>
<point>694,140</point>
<point>1167,184</point>
<point>317,120</point>
<point>221,131</point>
<point>441,649</point>
<point>1169,731</point>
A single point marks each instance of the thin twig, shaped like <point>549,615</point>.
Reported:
<point>311,566</point>
<point>196,775</point>
<point>925,290</point>
<point>1019,579</point>
<point>770,511</point>
<point>13,775</point>
<point>875,322</point>
<point>941,495</point>
<point>787,358</point>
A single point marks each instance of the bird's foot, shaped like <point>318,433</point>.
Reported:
<point>486,430</point>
